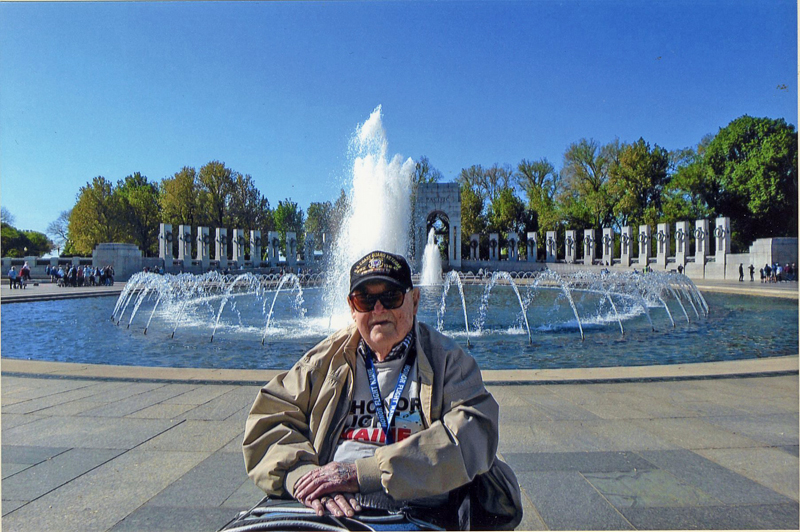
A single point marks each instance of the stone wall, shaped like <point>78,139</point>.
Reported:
<point>771,250</point>
<point>126,259</point>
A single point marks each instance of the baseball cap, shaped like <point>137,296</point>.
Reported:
<point>381,266</point>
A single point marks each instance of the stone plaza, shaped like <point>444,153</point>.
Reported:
<point>124,448</point>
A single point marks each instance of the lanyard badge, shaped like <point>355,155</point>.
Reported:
<point>385,418</point>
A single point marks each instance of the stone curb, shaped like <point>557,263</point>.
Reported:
<point>702,370</point>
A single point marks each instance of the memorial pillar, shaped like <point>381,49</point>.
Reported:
<point>291,248</point>
<point>608,246</point>
<point>494,246</point>
<point>255,247</point>
<point>722,237</point>
<point>238,247</point>
<point>221,247</point>
<point>588,246</point>
<point>626,246</point>
<point>681,244</point>
<point>203,247</point>
<point>570,246</point>
<point>185,245</point>
<point>532,246</point>
<point>165,244</point>
<point>701,238</point>
<point>274,247</point>
<point>662,249</point>
<point>552,246</point>
<point>513,248</point>
<point>644,245</point>
<point>474,243</point>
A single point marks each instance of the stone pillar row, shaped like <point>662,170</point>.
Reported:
<point>602,246</point>
<point>705,237</point>
<point>205,242</point>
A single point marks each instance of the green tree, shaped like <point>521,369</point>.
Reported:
<point>486,182</point>
<point>17,243</point>
<point>507,213</point>
<point>138,200</point>
<point>585,201</point>
<point>690,192</point>
<point>754,166</point>
<point>11,241</point>
<point>38,244</point>
<point>318,219</point>
<point>248,209</point>
<point>289,217</point>
<point>215,182</point>
<point>472,218</point>
<point>541,184</point>
<point>96,217</point>
<point>179,198</point>
<point>636,183</point>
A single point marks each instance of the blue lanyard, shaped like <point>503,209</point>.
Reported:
<point>384,418</point>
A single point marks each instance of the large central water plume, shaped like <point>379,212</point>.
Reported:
<point>379,214</point>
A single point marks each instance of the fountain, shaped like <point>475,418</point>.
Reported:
<point>431,262</point>
<point>529,320</point>
<point>452,276</point>
<point>590,298</point>
<point>379,214</point>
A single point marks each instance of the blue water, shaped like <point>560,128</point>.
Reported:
<point>80,330</point>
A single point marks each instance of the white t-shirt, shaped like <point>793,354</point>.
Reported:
<point>363,434</point>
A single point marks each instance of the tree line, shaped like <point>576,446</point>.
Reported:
<point>18,242</point>
<point>213,196</point>
<point>747,171</point>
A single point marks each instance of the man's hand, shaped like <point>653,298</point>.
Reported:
<point>338,504</point>
<point>334,478</point>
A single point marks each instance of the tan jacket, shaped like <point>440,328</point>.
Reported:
<point>295,422</point>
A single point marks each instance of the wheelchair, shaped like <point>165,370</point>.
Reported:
<point>290,515</point>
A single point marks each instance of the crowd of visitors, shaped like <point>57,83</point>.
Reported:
<point>19,279</point>
<point>81,275</point>
<point>775,273</point>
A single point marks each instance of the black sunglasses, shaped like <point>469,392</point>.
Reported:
<point>390,299</point>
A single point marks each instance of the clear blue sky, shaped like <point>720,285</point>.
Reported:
<point>275,90</point>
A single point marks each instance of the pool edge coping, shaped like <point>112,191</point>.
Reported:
<point>771,366</point>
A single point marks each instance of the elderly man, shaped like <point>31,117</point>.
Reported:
<point>382,414</point>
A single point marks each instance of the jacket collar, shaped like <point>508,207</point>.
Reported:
<point>424,366</point>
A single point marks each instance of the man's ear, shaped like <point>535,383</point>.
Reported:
<point>415,297</point>
<point>352,308</point>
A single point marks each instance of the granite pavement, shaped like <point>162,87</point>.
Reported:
<point>695,446</point>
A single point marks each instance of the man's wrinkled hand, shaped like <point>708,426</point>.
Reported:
<point>335,477</point>
<point>338,504</point>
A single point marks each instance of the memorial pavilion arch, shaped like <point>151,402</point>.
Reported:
<point>440,223</point>
<point>438,205</point>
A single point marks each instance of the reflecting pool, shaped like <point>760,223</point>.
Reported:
<point>79,330</point>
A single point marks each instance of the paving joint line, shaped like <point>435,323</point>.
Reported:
<point>617,510</point>
<point>95,467</point>
<point>487,382</point>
